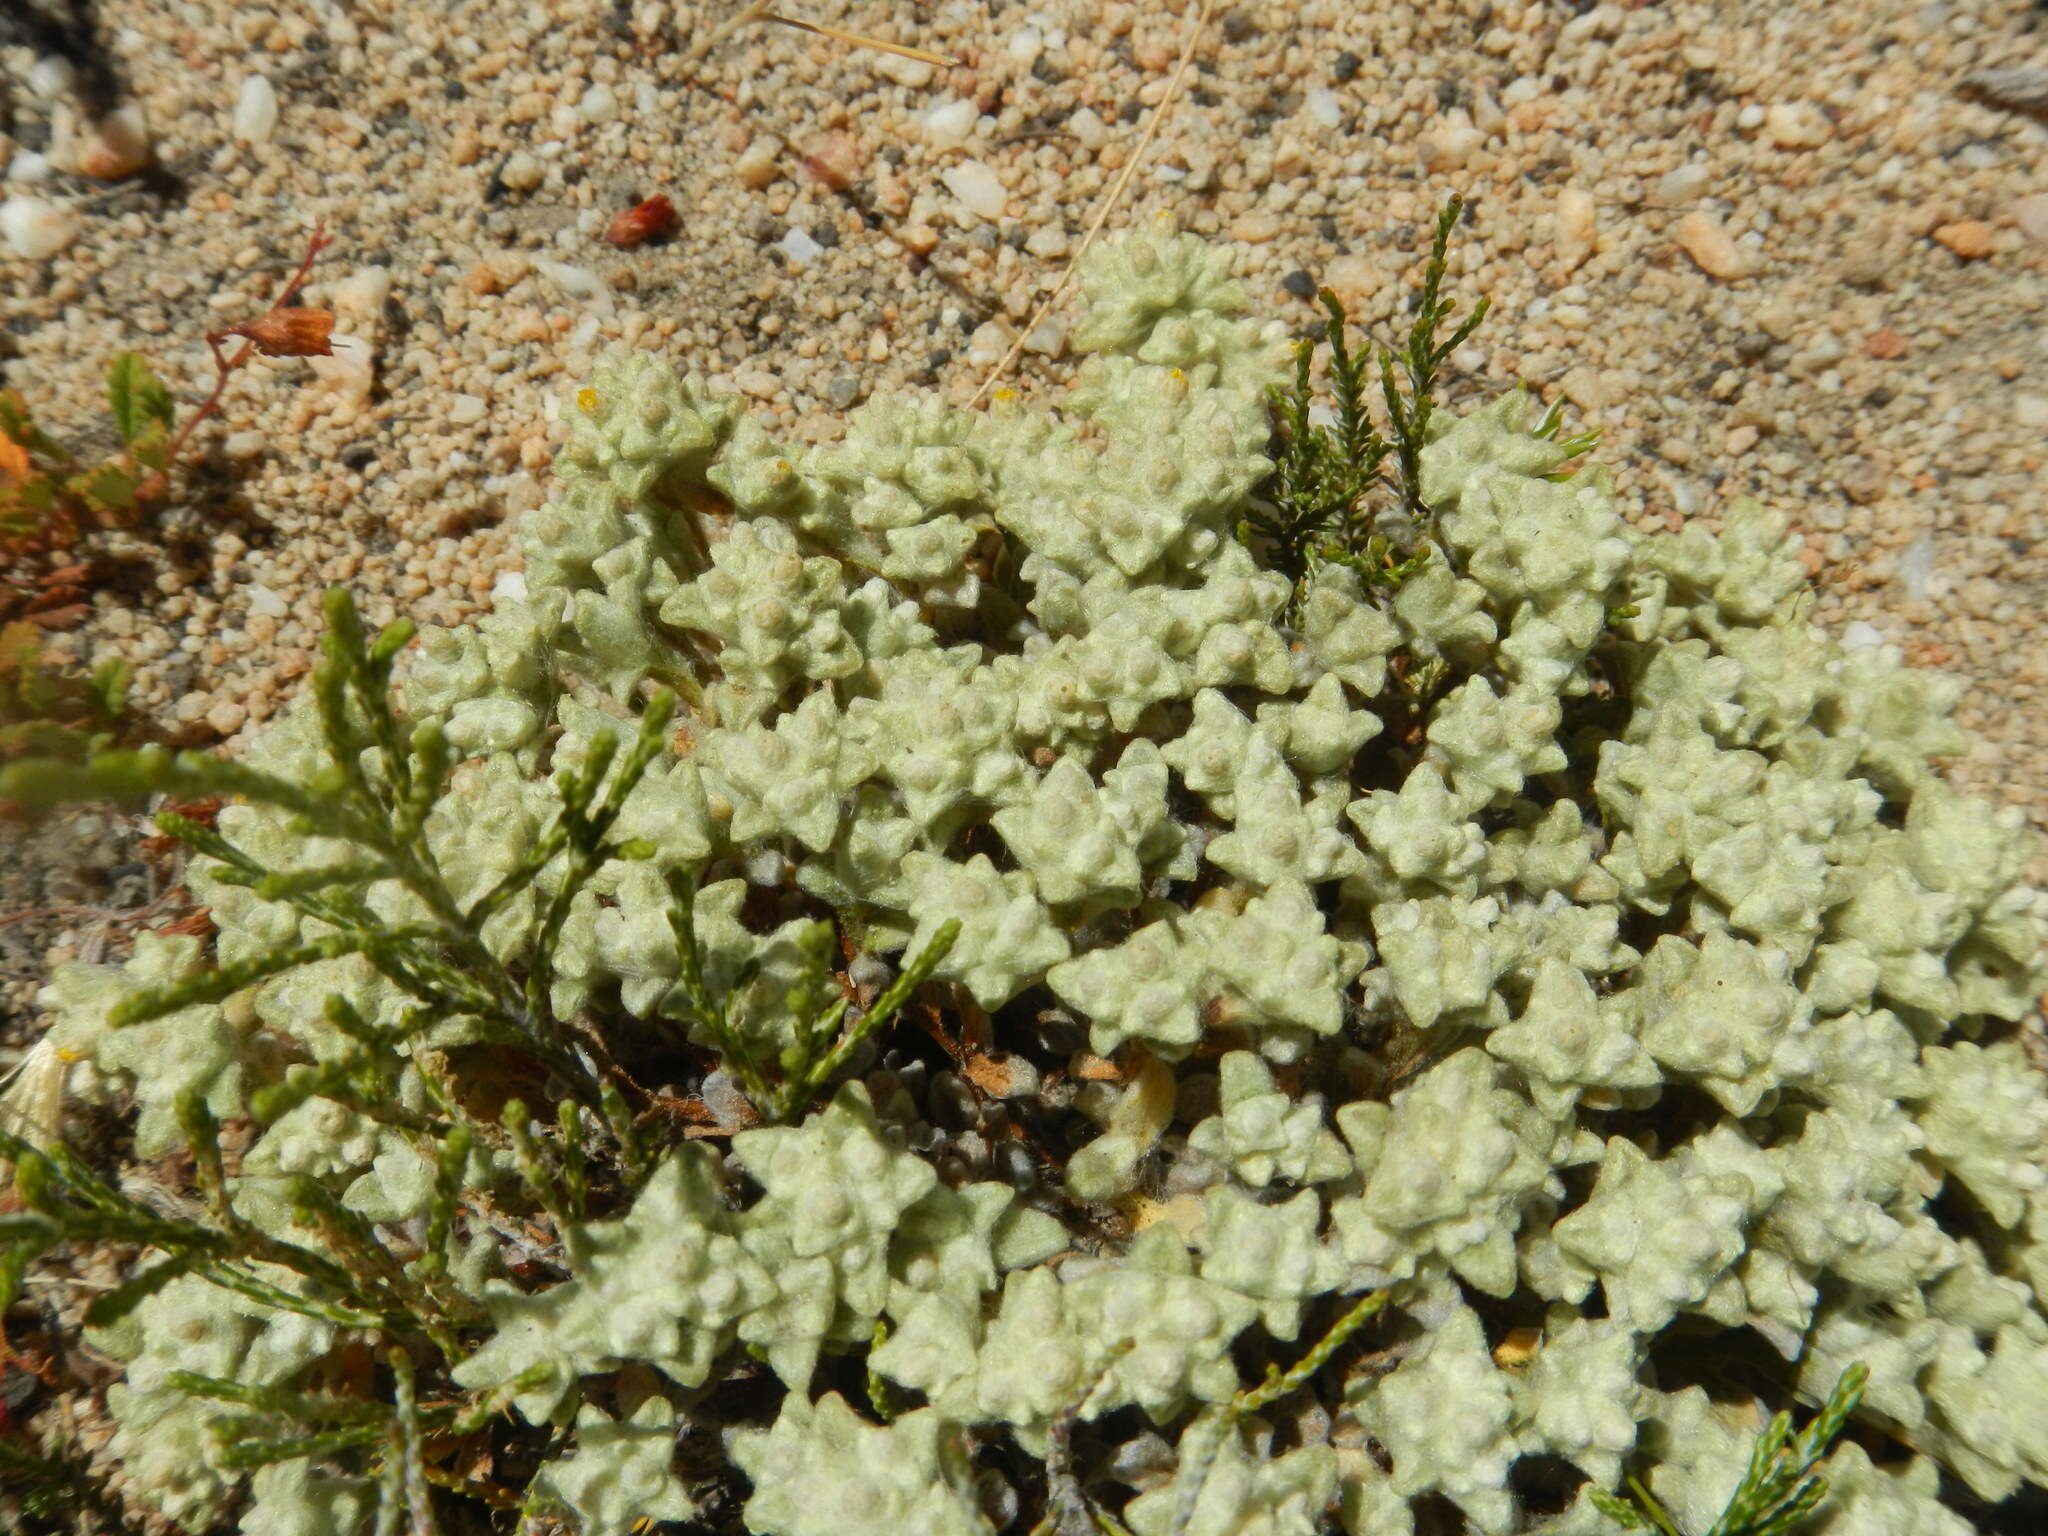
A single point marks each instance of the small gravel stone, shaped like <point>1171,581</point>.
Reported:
<point>947,125</point>
<point>1300,284</point>
<point>987,345</point>
<point>349,368</point>
<point>363,293</point>
<point>1588,390</point>
<point>977,187</point>
<point>226,717</point>
<point>1575,227</point>
<point>891,195</point>
<point>1916,567</point>
<point>1451,144</point>
<point>522,172</point>
<point>800,248</point>
<point>1795,126</point>
<point>1256,228</point>
<point>756,167</point>
<point>915,74</point>
<point>598,105</point>
<point>1867,268</point>
<point>465,410</point>
<point>256,111</point>
<point>36,228</point>
<point>1087,127</point>
<point>1048,242</point>
<point>834,160</point>
<point>1707,241</point>
<point>1048,338</point>
<point>1354,279</point>
<point>1968,238</point>
<point>577,283</point>
<point>2031,215</point>
<point>1860,479</point>
<point>116,146</point>
<point>51,77</point>
<point>1676,188</point>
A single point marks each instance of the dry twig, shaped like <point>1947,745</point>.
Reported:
<point>280,331</point>
<point>759,11</point>
<point>1116,192</point>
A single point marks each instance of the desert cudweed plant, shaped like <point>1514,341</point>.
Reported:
<point>1109,968</point>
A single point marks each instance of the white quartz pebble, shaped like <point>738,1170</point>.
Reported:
<point>256,111</point>
<point>35,227</point>
<point>976,186</point>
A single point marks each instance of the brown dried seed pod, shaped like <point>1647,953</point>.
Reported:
<point>289,333</point>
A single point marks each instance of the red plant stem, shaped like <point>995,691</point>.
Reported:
<point>224,366</point>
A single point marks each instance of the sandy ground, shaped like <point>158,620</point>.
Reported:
<point>1782,250</point>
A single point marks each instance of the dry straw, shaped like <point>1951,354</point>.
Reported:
<point>759,11</point>
<point>1116,192</point>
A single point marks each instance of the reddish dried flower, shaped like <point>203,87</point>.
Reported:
<point>289,333</point>
<point>642,222</point>
<point>197,923</point>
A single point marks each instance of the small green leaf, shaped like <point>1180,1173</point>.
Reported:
<point>152,450</point>
<point>36,496</point>
<point>14,1262</point>
<point>32,1182</point>
<point>137,397</point>
<point>109,685</point>
<point>110,487</point>
<point>14,416</point>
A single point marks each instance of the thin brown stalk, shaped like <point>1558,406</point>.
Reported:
<point>922,55</point>
<point>759,11</point>
<point>224,367</point>
<point>1116,192</point>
